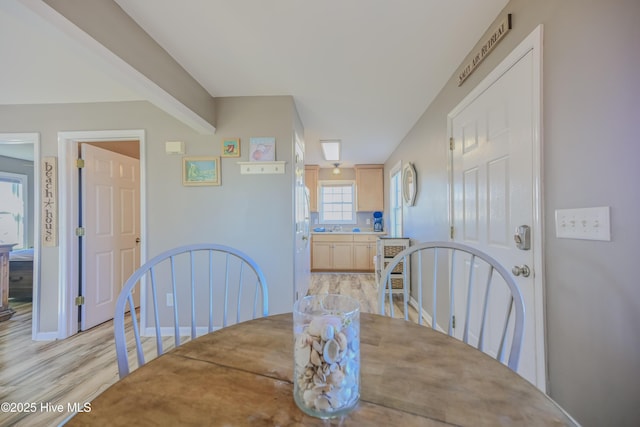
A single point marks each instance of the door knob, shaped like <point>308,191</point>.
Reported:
<point>521,270</point>
<point>138,240</point>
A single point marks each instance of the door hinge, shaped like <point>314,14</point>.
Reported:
<point>79,231</point>
<point>452,144</point>
<point>451,231</point>
<point>80,163</point>
<point>453,322</point>
<point>80,300</point>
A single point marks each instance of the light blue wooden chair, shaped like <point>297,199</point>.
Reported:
<point>460,291</point>
<point>185,292</point>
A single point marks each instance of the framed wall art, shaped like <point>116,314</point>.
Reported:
<point>262,149</point>
<point>201,170</point>
<point>231,147</point>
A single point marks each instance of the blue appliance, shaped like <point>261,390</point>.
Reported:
<point>378,223</point>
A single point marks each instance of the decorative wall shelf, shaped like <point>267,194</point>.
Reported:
<point>252,168</point>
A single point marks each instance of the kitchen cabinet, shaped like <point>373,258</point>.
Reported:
<point>321,255</point>
<point>342,256</point>
<point>311,181</point>
<point>364,250</point>
<point>332,252</point>
<point>343,252</point>
<point>369,188</point>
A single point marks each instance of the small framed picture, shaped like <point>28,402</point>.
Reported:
<point>231,147</point>
<point>262,149</point>
<point>201,170</point>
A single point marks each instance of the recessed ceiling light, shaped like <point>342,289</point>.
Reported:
<point>331,149</point>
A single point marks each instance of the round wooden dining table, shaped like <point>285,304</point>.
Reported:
<point>241,375</point>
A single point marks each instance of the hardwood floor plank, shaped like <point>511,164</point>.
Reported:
<point>361,286</point>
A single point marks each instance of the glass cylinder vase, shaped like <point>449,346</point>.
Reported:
<point>326,372</point>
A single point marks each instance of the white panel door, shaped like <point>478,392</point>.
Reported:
<point>494,192</point>
<point>110,192</point>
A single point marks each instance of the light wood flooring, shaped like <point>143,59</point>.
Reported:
<point>77,369</point>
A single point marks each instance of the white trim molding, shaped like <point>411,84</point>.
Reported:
<point>532,43</point>
<point>68,280</point>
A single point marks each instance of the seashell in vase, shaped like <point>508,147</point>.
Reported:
<point>331,352</point>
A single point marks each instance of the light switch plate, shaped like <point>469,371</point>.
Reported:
<point>584,223</point>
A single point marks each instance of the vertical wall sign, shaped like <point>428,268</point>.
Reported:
<point>486,48</point>
<point>49,201</point>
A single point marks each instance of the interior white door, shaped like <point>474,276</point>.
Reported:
<point>494,193</point>
<point>302,255</point>
<point>110,206</point>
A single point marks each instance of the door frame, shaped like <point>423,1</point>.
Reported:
<point>301,229</point>
<point>68,277</point>
<point>532,43</point>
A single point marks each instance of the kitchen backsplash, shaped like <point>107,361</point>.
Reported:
<point>361,218</point>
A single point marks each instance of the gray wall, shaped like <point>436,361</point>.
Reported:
<point>251,212</point>
<point>107,23</point>
<point>591,111</point>
<point>24,167</point>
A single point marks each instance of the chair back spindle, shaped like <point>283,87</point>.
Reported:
<point>191,277</point>
<point>483,310</point>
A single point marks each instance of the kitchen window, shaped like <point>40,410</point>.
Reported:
<point>337,202</point>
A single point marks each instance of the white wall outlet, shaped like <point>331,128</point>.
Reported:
<point>169,300</point>
<point>368,221</point>
<point>584,223</point>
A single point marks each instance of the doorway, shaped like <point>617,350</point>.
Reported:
<point>71,250</point>
<point>496,183</point>
<point>22,150</point>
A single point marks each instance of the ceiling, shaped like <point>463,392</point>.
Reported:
<point>362,71</point>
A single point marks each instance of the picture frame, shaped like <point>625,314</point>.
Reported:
<point>199,171</point>
<point>230,147</point>
<point>262,149</point>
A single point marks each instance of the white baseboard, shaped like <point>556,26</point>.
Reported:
<point>413,303</point>
<point>45,336</point>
